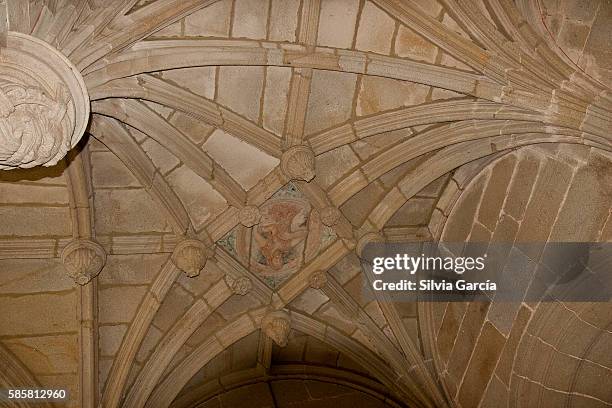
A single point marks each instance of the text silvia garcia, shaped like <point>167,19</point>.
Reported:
<point>431,285</point>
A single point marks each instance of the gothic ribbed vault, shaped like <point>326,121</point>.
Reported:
<point>201,242</point>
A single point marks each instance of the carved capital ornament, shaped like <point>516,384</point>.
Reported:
<point>318,279</point>
<point>83,260</point>
<point>190,256</point>
<point>330,216</point>
<point>249,216</point>
<point>44,104</point>
<point>240,285</point>
<point>298,163</point>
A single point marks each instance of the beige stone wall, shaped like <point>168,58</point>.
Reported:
<point>527,353</point>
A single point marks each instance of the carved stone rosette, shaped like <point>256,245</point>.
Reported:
<point>276,325</point>
<point>44,104</point>
<point>298,163</point>
<point>317,279</point>
<point>330,216</point>
<point>190,256</point>
<point>249,216</point>
<point>83,260</point>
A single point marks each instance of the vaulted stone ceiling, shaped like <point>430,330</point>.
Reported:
<point>201,242</point>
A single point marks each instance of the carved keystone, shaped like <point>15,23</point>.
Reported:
<point>317,279</point>
<point>249,216</point>
<point>298,163</point>
<point>190,256</point>
<point>330,216</point>
<point>83,260</point>
<point>239,286</point>
<point>276,325</point>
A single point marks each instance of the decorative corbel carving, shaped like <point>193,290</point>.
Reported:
<point>83,260</point>
<point>317,279</point>
<point>190,256</point>
<point>240,285</point>
<point>249,215</point>
<point>298,163</point>
<point>330,216</point>
<point>277,325</point>
<point>44,104</point>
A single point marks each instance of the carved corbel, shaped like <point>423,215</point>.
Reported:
<point>249,215</point>
<point>83,260</point>
<point>191,255</point>
<point>277,325</point>
<point>298,163</point>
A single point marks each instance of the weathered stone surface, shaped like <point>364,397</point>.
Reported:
<point>521,186</point>
<point>328,168</point>
<point>240,89</point>
<point>330,101</point>
<point>22,276</point>
<point>410,44</point>
<point>250,17</point>
<point>119,304</point>
<point>495,192</point>
<point>309,301</point>
<point>381,94</point>
<point>127,211</point>
<point>549,191</point>
<point>41,221</point>
<point>587,204</point>
<point>231,153</point>
<point>337,23</point>
<point>110,339</point>
<point>375,30</point>
<point>198,196</point>
<point>467,337</point>
<point>108,171</point>
<point>481,366</point>
<point>213,20</point>
<point>458,228</point>
<point>450,327</point>
<point>283,20</point>
<point>199,80</point>
<point>46,354</point>
<point>275,99</point>
<point>38,313</point>
<point>17,194</point>
<point>415,211</point>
